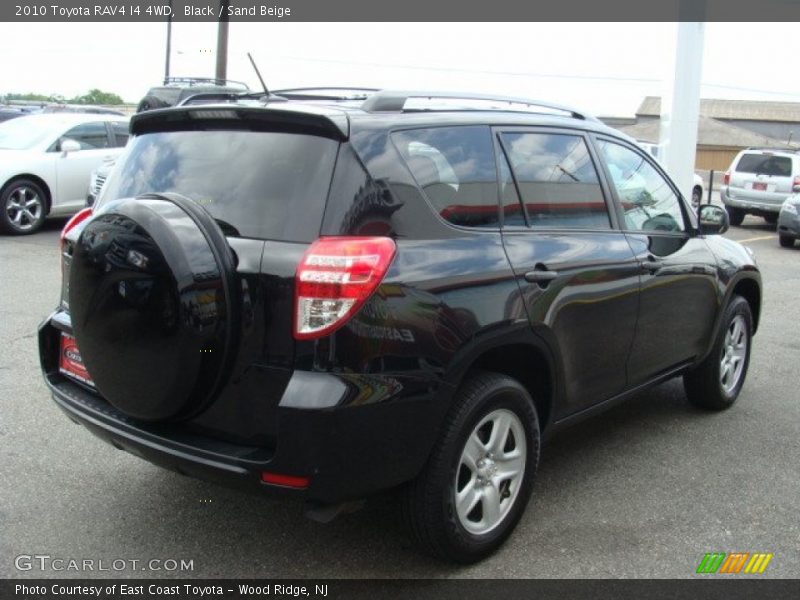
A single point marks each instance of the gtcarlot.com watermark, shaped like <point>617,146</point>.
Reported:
<point>45,562</point>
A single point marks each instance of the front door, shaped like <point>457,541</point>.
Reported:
<point>74,168</point>
<point>679,292</point>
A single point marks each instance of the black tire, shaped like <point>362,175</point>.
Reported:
<point>703,385</point>
<point>786,241</point>
<point>735,215</point>
<point>771,219</point>
<point>429,504</point>
<point>697,196</point>
<point>151,103</point>
<point>22,193</point>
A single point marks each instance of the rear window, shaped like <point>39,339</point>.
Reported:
<point>455,168</point>
<point>255,184</point>
<point>765,164</point>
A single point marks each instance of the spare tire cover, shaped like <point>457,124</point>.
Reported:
<point>150,300</point>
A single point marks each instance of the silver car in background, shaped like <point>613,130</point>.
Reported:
<point>789,220</point>
<point>98,179</point>
<point>758,182</point>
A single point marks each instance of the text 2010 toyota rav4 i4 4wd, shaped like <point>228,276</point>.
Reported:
<point>330,299</point>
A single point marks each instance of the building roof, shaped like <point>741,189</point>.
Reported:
<point>710,132</point>
<point>744,110</point>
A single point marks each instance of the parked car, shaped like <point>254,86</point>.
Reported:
<point>758,182</point>
<point>697,181</point>
<point>10,112</point>
<point>789,220</point>
<point>81,108</point>
<point>45,162</point>
<point>97,180</point>
<point>326,302</point>
<point>176,89</point>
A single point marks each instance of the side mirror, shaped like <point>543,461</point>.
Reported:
<point>68,145</point>
<point>712,219</point>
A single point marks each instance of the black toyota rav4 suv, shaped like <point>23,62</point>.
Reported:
<point>329,299</point>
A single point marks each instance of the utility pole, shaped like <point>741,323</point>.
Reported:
<point>169,42</point>
<point>222,42</point>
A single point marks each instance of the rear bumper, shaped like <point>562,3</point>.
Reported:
<point>759,202</point>
<point>347,452</point>
<point>232,465</point>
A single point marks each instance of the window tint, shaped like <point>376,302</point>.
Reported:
<point>648,202</point>
<point>89,135</point>
<point>455,168</point>
<point>557,180</point>
<point>274,189</point>
<point>513,214</point>
<point>765,164</point>
<point>120,133</point>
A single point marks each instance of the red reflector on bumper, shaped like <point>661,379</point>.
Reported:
<point>291,481</point>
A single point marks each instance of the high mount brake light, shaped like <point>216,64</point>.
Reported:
<point>76,220</point>
<point>335,277</point>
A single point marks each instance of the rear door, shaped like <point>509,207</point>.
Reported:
<point>678,298</point>
<point>578,275</point>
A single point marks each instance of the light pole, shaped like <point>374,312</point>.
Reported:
<point>169,42</point>
<point>222,42</point>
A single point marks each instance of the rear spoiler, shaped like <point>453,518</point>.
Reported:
<point>313,120</point>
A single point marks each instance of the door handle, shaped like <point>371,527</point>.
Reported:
<point>540,276</point>
<point>652,264</point>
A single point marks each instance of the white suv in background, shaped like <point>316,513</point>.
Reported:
<point>758,181</point>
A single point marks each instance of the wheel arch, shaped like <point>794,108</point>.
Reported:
<point>749,289</point>
<point>746,284</point>
<point>48,195</point>
<point>522,355</point>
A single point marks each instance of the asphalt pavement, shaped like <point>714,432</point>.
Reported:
<point>644,490</point>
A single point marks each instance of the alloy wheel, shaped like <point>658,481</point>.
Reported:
<point>24,208</point>
<point>490,471</point>
<point>734,354</point>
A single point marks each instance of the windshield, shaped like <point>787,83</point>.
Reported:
<point>22,133</point>
<point>262,185</point>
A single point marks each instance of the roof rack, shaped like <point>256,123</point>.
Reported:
<point>395,101</point>
<point>327,93</point>
<point>190,81</point>
<point>787,148</point>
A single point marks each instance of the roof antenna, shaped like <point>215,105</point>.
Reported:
<point>261,79</point>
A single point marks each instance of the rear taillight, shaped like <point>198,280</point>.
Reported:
<point>66,252</point>
<point>334,279</point>
<point>796,182</point>
<point>726,179</point>
<point>76,220</point>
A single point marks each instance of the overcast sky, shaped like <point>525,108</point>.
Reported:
<point>604,68</point>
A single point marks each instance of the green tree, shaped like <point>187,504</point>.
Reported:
<point>96,96</point>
